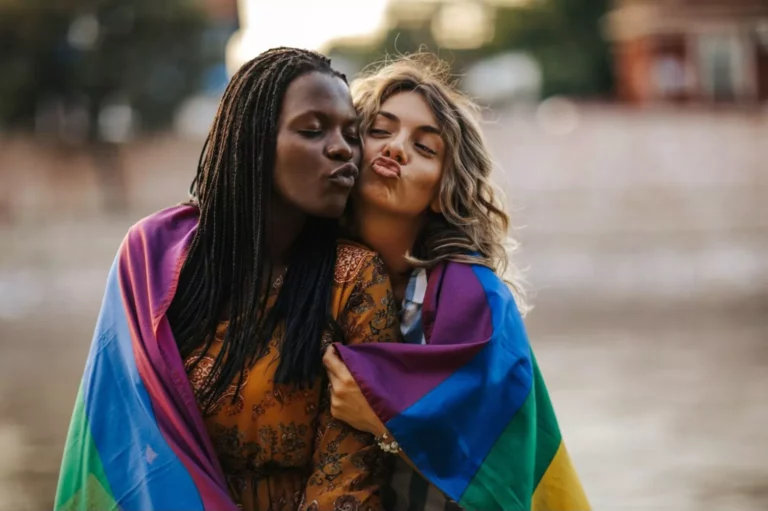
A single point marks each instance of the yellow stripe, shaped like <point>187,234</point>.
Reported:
<point>560,488</point>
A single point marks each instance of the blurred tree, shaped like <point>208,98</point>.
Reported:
<point>89,53</point>
<point>91,72</point>
<point>564,36</point>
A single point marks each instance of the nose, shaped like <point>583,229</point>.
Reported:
<point>340,149</point>
<point>395,150</point>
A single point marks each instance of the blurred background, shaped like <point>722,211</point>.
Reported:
<point>631,138</point>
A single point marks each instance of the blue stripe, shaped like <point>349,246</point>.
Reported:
<point>452,428</point>
<point>123,423</point>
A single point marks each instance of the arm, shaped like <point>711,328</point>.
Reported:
<point>348,403</point>
<point>348,467</point>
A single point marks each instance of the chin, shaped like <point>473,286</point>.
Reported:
<point>331,210</point>
<point>375,194</point>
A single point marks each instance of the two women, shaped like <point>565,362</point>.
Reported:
<point>204,388</point>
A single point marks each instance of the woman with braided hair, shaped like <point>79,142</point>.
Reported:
<point>204,388</point>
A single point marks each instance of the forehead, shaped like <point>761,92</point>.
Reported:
<point>410,107</point>
<point>318,92</point>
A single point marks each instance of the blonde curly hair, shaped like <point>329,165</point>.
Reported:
<point>472,226</point>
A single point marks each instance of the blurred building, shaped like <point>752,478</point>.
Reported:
<point>690,50</point>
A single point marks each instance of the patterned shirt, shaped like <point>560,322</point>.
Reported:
<point>278,445</point>
<point>408,490</point>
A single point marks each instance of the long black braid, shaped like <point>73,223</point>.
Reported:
<point>227,270</point>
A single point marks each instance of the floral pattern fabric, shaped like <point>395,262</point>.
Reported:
<point>279,447</point>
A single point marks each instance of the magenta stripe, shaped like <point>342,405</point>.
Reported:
<point>149,268</point>
<point>395,376</point>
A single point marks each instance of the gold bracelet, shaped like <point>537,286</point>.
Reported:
<point>388,444</point>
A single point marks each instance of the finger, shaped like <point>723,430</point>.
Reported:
<point>335,409</point>
<point>335,384</point>
<point>333,363</point>
<point>327,354</point>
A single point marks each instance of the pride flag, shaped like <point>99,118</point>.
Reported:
<point>470,408</point>
<point>137,439</point>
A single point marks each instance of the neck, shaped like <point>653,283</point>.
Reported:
<point>286,224</point>
<point>391,237</point>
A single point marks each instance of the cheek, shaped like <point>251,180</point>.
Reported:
<point>285,166</point>
<point>371,149</point>
<point>295,170</point>
<point>424,183</point>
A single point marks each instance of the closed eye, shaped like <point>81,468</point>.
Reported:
<point>426,149</point>
<point>378,132</point>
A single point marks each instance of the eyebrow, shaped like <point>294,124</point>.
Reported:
<point>427,128</point>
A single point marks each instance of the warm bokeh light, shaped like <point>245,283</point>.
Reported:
<point>302,24</point>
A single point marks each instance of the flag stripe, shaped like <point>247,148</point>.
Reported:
<point>548,437</point>
<point>149,266</point>
<point>456,338</point>
<point>419,371</point>
<point>137,439</point>
<point>559,489</point>
<point>133,453</point>
<point>515,466</point>
<point>486,435</point>
<point>497,378</point>
<point>73,483</point>
<point>505,477</point>
<point>456,309</point>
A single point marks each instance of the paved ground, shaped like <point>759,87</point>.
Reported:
<point>662,409</point>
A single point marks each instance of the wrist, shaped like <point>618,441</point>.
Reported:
<point>387,443</point>
<point>377,429</point>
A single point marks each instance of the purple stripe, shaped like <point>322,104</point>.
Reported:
<point>455,308</point>
<point>149,267</point>
<point>395,376</point>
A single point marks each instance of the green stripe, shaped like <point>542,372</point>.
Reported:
<point>548,437</point>
<point>513,468</point>
<point>82,484</point>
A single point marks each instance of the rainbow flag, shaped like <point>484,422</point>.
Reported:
<point>470,408</point>
<point>137,439</point>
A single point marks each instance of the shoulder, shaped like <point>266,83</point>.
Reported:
<point>165,223</point>
<point>470,284</point>
<point>464,282</point>
<point>160,238</point>
<point>353,260</point>
<point>461,272</point>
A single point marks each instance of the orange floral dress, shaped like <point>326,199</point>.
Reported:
<point>279,447</point>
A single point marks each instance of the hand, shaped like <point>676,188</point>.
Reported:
<point>347,401</point>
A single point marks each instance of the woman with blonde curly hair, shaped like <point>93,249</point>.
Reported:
<point>461,403</point>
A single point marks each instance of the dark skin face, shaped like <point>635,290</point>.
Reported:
<point>318,146</point>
